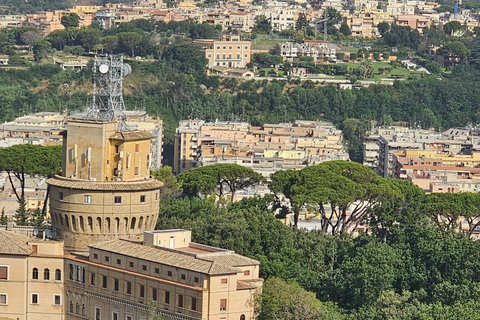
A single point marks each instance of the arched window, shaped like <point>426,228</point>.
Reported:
<point>58,275</point>
<point>242,317</point>
<point>107,225</point>
<point>90,224</point>
<point>99,225</point>
<point>71,306</point>
<point>77,308</point>
<point>147,221</point>
<point>46,274</point>
<point>35,274</point>
<point>125,225</point>
<point>140,223</point>
<point>117,225</point>
<point>66,221</point>
<point>82,226</point>
<point>84,310</point>
<point>132,224</point>
<point>61,219</point>
<point>74,223</point>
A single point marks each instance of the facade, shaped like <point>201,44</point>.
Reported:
<point>31,278</point>
<point>318,50</point>
<point>229,52</point>
<point>264,149</point>
<point>416,22</point>
<point>105,190</point>
<point>186,280</point>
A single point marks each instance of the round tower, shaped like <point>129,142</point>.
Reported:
<point>105,190</point>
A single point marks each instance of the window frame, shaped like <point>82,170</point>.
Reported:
<point>117,199</point>
<point>59,301</point>
<point>37,298</point>
<point>6,299</point>
<point>87,198</point>
<point>4,267</point>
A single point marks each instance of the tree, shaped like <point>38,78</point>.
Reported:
<point>3,217</point>
<point>22,215</point>
<point>88,38</point>
<point>41,49</point>
<point>282,301</point>
<point>302,22</point>
<point>220,178</point>
<point>26,159</point>
<point>29,38</point>
<point>110,43</point>
<point>433,67</point>
<point>171,186</point>
<point>71,20</point>
<point>58,39</point>
<point>454,52</point>
<point>383,28</point>
<point>37,218</point>
<point>75,50</point>
<point>366,69</point>
<point>129,41</point>
<point>153,314</point>
<point>262,24</point>
<point>450,28</point>
<point>345,30</point>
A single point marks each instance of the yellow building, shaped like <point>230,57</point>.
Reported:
<point>229,52</point>
<point>105,190</point>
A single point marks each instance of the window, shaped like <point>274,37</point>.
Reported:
<point>116,149</point>
<point>142,291</point>
<point>107,259</point>
<point>118,199</point>
<point>46,274</point>
<point>180,301</point>
<point>129,287</point>
<point>3,299</point>
<point>142,198</point>
<point>194,304</point>
<point>34,298</point>
<point>57,299</point>
<point>224,281</point>
<point>77,308</point>
<point>230,48</point>
<point>223,304</point>
<point>128,317</point>
<point>60,196</point>
<point>58,275</point>
<point>114,315</point>
<point>167,297</point>
<point>154,294</point>
<point>115,284</point>
<point>242,317</point>
<point>136,171</point>
<point>71,307</point>
<point>119,262</point>
<point>157,270</point>
<point>84,310</point>
<point>92,279</point>
<point>169,273</point>
<point>246,47</point>
<point>95,256</point>
<point>144,267</point>
<point>137,147</point>
<point>104,282</point>
<point>130,264</point>
<point>35,274</point>
<point>196,280</point>
<point>3,273</point>
<point>88,199</point>
<point>97,313</point>
<point>182,276</point>
<point>246,272</point>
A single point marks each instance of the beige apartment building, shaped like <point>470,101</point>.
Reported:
<point>229,52</point>
<point>265,149</point>
<point>31,278</point>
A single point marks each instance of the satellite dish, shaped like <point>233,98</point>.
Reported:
<point>127,69</point>
<point>103,68</point>
<point>35,232</point>
<point>48,233</point>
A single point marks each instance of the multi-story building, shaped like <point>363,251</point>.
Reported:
<point>416,22</point>
<point>185,280</point>
<point>265,149</point>
<point>382,143</point>
<point>230,51</point>
<point>31,278</point>
<point>318,50</point>
<point>364,22</point>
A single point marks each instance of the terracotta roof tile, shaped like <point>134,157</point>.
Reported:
<point>63,182</point>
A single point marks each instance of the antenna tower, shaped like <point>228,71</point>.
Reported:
<point>107,102</point>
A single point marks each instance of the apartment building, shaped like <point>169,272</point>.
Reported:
<point>265,149</point>
<point>185,280</point>
<point>318,50</point>
<point>382,143</point>
<point>364,22</point>
<point>416,22</point>
<point>31,278</point>
<point>229,52</point>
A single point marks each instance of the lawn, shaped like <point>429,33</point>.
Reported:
<point>266,44</point>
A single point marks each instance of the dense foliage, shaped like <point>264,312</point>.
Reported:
<point>410,267</point>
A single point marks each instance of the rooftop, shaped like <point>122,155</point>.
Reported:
<point>15,244</point>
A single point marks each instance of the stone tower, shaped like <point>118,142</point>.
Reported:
<point>105,191</point>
